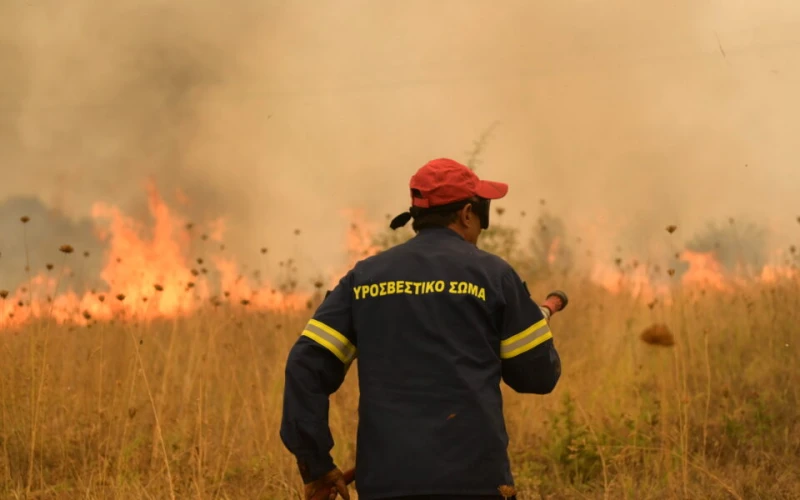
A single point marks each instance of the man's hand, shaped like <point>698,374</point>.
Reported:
<point>555,302</point>
<point>327,487</point>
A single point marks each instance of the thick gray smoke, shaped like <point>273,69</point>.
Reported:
<point>625,116</point>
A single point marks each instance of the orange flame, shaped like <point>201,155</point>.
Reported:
<point>773,273</point>
<point>360,236</point>
<point>552,252</point>
<point>148,273</point>
<point>704,271</point>
<point>153,274</point>
<point>637,282</point>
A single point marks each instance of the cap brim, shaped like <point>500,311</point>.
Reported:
<point>492,190</point>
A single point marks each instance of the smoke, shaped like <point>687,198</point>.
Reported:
<point>625,116</point>
<point>26,249</point>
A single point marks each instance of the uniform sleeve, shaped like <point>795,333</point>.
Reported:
<point>530,361</point>
<point>315,369</point>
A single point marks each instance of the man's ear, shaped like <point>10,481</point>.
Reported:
<point>466,213</point>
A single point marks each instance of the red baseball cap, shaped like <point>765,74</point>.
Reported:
<point>444,181</point>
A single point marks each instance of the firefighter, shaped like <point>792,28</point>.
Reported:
<point>436,325</point>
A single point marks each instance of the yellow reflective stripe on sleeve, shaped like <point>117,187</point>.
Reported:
<point>525,340</point>
<point>332,340</point>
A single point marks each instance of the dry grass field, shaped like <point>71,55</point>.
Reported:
<point>703,406</point>
<point>147,362</point>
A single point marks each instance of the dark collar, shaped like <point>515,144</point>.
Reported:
<point>438,232</point>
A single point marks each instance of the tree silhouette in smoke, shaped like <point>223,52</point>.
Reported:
<point>739,246</point>
<point>549,246</point>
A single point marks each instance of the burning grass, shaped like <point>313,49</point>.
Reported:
<point>693,394</point>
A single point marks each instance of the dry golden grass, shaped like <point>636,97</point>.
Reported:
<point>191,408</point>
<point>698,399</point>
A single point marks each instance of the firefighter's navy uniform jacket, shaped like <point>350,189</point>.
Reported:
<point>436,324</point>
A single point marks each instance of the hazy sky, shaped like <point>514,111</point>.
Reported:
<point>278,113</point>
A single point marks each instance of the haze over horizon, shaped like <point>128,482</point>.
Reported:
<point>625,117</point>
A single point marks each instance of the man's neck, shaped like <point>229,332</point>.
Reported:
<point>456,229</point>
